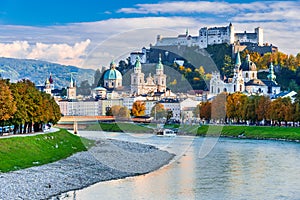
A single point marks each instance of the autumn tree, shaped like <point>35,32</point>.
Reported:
<point>227,69</point>
<point>235,108</point>
<point>218,107</point>
<point>124,112</point>
<point>205,111</point>
<point>296,106</point>
<point>7,103</point>
<point>281,109</point>
<point>263,107</point>
<point>120,111</point>
<point>138,108</point>
<point>158,111</point>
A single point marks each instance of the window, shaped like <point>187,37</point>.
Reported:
<point>234,88</point>
<point>241,87</point>
<point>246,75</point>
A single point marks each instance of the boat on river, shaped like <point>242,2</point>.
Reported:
<point>166,132</point>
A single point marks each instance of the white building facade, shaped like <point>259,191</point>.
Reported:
<point>244,80</point>
<point>213,35</point>
<point>152,84</point>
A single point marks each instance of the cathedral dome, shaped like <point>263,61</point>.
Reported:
<point>248,65</point>
<point>112,73</point>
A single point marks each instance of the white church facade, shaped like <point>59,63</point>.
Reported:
<point>157,83</point>
<point>245,80</point>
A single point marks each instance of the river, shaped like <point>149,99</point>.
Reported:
<point>233,169</point>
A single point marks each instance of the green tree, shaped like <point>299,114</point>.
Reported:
<point>228,66</point>
<point>169,114</point>
<point>84,88</point>
<point>97,77</point>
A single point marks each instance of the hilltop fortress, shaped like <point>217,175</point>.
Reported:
<point>213,35</point>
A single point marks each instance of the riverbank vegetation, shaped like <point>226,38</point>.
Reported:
<point>251,132</point>
<point>25,107</point>
<point>240,108</point>
<point>119,127</point>
<point>23,152</point>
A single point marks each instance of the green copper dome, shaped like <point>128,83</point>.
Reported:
<point>112,73</point>
<point>238,59</point>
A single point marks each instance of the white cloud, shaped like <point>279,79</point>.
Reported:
<point>95,44</point>
<point>17,49</point>
<point>59,53</point>
<point>192,7</point>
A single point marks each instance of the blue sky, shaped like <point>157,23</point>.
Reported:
<point>90,33</point>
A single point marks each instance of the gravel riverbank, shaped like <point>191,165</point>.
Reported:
<point>109,159</point>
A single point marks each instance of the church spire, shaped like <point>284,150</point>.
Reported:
<point>271,76</point>
<point>137,65</point>
<point>238,60</point>
<point>159,66</point>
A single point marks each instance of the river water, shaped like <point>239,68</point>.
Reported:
<point>233,169</point>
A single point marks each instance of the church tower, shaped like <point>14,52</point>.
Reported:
<point>271,76</point>
<point>71,91</point>
<point>47,88</point>
<point>231,33</point>
<point>137,78</point>
<point>238,79</point>
<point>160,78</point>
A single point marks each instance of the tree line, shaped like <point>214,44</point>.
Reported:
<point>240,108</point>
<point>158,111</point>
<point>25,107</point>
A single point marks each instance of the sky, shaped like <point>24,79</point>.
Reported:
<point>91,33</point>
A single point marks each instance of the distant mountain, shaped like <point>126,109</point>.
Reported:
<point>38,71</point>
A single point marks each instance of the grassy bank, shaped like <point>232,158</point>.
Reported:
<point>119,127</point>
<point>253,132</point>
<point>22,152</point>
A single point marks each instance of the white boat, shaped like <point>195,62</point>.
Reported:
<point>166,132</point>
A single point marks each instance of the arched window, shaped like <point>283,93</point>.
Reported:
<point>234,88</point>
<point>253,75</point>
<point>246,75</point>
<point>225,90</point>
<point>134,81</point>
<point>241,87</point>
<point>218,90</point>
<point>212,89</point>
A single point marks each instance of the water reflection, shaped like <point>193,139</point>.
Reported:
<point>234,169</point>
